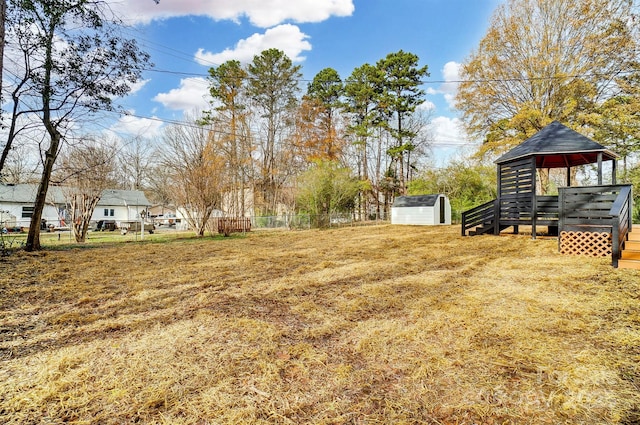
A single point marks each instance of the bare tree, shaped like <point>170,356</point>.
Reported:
<point>542,61</point>
<point>75,64</point>
<point>87,169</point>
<point>195,170</point>
<point>135,161</point>
<point>21,166</point>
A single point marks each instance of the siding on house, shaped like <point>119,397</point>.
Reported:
<point>118,205</point>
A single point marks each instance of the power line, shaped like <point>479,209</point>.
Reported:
<point>427,82</point>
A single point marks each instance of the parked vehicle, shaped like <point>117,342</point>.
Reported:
<point>104,225</point>
<point>134,226</point>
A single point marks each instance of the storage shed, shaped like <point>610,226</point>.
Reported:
<point>421,210</point>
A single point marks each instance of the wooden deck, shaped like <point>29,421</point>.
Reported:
<point>582,217</point>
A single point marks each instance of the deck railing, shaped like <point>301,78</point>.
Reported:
<point>621,213</point>
<point>481,215</point>
<point>600,209</point>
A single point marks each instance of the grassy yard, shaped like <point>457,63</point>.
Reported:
<point>373,325</point>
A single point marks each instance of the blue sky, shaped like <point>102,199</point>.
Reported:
<point>186,37</point>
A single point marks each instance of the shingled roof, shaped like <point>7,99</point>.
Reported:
<point>557,146</point>
<point>416,201</point>
<point>26,193</point>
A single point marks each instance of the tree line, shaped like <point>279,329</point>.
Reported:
<point>266,146</point>
<point>269,133</point>
<point>341,143</point>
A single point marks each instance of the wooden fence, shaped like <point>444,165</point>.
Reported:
<point>228,225</point>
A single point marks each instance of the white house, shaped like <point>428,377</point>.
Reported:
<point>421,210</point>
<point>120,205</point>
<point>16,205</point>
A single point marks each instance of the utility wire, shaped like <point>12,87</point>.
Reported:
<point>426,82</point>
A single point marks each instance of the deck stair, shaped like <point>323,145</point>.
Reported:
<point>487,227</point>
<point>630,255</point>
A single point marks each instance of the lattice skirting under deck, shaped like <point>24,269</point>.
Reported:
<point>594,244</point>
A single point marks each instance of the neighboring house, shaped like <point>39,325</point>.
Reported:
<point>233,203</point>
<point>120,205</point>
<point>117,205</point>
<point>17,200</point>
<point>162,215</point>
<point>182,221</point>
<point>421,210</point>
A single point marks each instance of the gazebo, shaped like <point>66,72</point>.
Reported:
<point>588,210</point>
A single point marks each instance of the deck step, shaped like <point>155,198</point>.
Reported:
<point>629,264</point>
<point>634,235</point>
<point>630,254</point>
<point>632,245</point>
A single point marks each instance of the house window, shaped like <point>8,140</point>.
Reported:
<point>111,212</point>
<point>27,212</point>
<point>106,212</point>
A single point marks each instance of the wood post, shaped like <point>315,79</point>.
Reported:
<point>496,215</point>
<point>534,206</point>
<point>599,168</point>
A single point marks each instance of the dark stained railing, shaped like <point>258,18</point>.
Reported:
<point>601,209</point>
<point>482,215</point>
<point>547,210</point>
<point>621,213</point>
<point>605,209</point>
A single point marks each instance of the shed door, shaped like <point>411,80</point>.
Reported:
<point>442,218</point>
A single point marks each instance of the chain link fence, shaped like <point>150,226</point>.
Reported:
<point>309,221</point>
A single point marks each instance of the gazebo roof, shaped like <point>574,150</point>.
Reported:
<point>558,146</point>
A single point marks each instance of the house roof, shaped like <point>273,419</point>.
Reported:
<point>123,197</point>
<point>416,201</point>
<point>557,145</point>
<point>26,194</point>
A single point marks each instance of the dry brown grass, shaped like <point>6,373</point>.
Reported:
<point>373,325</point>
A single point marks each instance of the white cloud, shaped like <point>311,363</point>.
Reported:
<point>427,106</point>
<point>287,38</point>
<point>188,97</point>
<point>264,13</point>
<point>447,131</point>
<point>451,74</point>
<point>449,140</point>
<point>137,86</point>
<point>449,89</point>
<point>129,125</point>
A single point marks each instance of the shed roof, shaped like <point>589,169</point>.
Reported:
<point>557,145</point>
<point>416,201</point>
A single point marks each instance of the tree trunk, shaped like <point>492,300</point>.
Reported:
<point>3,18</point>
<point>82,208</point>
<point>33,237</point>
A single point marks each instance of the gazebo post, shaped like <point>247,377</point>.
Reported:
<point>599,168</point>
<point>496,221</point>
<point>614,170</point>
<point>534,204</point>
<point>568,176</point>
